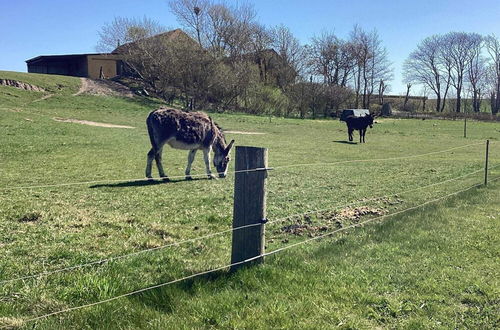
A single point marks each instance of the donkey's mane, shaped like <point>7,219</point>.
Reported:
<point>220,140</point>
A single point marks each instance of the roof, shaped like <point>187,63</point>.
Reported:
<point>172,35</point>
<point>59,57</point>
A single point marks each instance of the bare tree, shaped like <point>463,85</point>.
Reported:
<point>325,57</point>
<point>381,90</point>
<point>425,66</point>
<point>379,67</point>
<point>125,30</point>
<point>476,75</point>
<point>457,49</point>
<point>292,53</point>
<point>192,14</point>
<point>408,87</point>
<point>261,41</point>
<point>493,49</point>
<point>359,49</point>
<point>371,64</point>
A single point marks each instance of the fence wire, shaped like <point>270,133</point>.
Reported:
<point>249,259</point>
<point>115,258</point>
<point>240,171</point>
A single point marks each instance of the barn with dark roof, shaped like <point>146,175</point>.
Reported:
<point>78,65</point>
<point>96,66</point>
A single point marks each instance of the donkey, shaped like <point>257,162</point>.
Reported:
<point>188,131</point>
<point>360,124</point>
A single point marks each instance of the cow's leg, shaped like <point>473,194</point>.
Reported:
<point>206,158</point>
<point>191,155</point>
<point>349,131</point>
<point>158,158</point>
<point>149,164</point>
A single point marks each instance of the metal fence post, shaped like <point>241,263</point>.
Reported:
<point>249,205</point>
<point>486,163</point>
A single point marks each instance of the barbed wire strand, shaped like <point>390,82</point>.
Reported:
<point>110,259</point>
<point>249,259</point>
<point>234,172</point>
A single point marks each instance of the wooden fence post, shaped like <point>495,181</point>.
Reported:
<point>486,163</point>
<point>249,205</point>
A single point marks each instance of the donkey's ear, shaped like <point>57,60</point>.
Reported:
<point>228,148</point>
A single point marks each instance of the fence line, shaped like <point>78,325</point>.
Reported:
<point>110,259</point>
<point>378,159</point>
<point>249,259</point>
<point>384,196</point>
<point>242,171</point>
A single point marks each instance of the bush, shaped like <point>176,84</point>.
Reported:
<point>266,100</point>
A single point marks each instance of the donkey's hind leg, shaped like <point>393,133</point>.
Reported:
<point>149,164</point>
<point>158,158</point>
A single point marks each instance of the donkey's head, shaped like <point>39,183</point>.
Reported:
<point>221,157</point>
<point>369,120</point>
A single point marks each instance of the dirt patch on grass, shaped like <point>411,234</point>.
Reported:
<point>103,87</point>
<point>30,217</point>
<point>90,123</point>
<point>244,133</point>
<point>325,221</point>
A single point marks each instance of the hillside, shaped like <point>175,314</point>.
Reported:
<point>74,194</point>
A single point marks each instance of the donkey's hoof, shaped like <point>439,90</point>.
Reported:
<point>165,179</point>
<point>211,177</point>
<point>189,178</point>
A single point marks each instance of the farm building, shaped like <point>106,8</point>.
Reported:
<point>176,35</point>
<point>101,65</point>
<point>79,65</point>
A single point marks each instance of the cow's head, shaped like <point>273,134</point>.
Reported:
<point>221,159</point>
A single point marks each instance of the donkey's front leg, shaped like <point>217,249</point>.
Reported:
<point>349,132</point>
<point>191,155</point>
<point>206,157</point>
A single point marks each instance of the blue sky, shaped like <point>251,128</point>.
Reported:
<point>29,28</point>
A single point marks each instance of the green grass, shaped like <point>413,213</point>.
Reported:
<point>434,267</point>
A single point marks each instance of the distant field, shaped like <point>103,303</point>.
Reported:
<point>434,267</point>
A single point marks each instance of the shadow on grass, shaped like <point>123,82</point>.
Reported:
<point>142,183</point>
<point>345,142</point>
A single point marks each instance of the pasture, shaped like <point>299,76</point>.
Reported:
<point>72,194</point>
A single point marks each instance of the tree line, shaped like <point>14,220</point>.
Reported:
<point>233,62</point>
<point>230,61</point>
<point>467,64</point>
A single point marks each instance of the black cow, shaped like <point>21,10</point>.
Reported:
<point>360,124</point>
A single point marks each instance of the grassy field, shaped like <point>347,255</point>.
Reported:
<point>437,266</point>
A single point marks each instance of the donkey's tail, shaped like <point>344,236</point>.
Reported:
<point>149,124</point>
